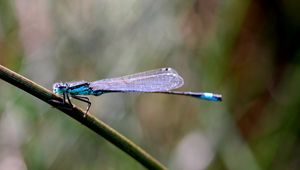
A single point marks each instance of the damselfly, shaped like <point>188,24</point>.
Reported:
<point>154,81</point>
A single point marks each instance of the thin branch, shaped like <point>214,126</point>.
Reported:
<point>78,114</point>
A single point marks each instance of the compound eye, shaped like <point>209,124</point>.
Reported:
<point>60,85</point>
<point>57,85</point>
<point>59,88</point>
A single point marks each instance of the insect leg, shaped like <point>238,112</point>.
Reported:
<point>84,99</point>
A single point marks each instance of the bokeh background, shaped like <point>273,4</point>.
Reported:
<point>246,50</point>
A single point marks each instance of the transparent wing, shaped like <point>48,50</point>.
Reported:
<point>163,79</point>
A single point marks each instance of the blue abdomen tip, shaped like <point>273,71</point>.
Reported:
<point>212,97</point>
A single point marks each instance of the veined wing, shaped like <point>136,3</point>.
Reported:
<point>163,79</point>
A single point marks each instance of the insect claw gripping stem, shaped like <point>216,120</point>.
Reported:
<point>81,98</point>
<point>86,100</point>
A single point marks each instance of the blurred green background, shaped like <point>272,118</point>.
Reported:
<point>246,50</point>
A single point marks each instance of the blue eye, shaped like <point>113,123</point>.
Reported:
<point>59,88</point>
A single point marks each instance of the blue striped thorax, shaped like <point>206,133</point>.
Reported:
<point>73,88</point>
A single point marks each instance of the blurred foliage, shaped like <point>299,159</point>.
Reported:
<point>246,50</point>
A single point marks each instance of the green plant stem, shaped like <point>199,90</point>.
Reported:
<point>89,121</point>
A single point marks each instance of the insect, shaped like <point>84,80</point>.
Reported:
<point>162,80</point>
